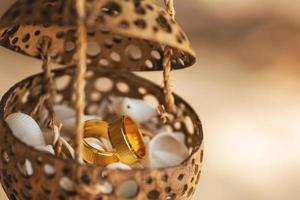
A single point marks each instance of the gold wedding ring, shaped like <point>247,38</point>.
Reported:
<point>97,129</point>
<point>125,137</point>
<point>127,140</point>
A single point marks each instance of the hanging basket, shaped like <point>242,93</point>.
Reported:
<point>177,182</point>
<point>104,40</point>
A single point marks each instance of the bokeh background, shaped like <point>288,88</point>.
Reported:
<point>246,88</point>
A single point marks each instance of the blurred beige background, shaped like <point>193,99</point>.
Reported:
<point>245,87</point>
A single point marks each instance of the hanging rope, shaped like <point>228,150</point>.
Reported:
<point>167,65</point>
<point>169,98</point>
<point>80,76</point>
<point>45,45</point>
<point>48,98</point>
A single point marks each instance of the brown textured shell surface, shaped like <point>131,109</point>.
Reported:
<point>131,32</point>
<point>177,182</point>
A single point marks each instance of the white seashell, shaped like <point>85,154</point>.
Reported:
<point>128,189</point>
<point>100,144</point>
<point>47,148</point>
<point>63,112</point>
<point>69,148</point>
<point>118,165</point>
<point>180,137</point>
<point>69,125</point>
<point>106,143</point>
<point>162,159</point>
<point>170,142</point>
<point>167,149</point>
<point>177,135</point>
<point>94,142</point>
<point>139,110</point>
<point>26,129</point>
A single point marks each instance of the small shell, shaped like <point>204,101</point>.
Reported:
<point>69,125</point>
<point>167,149</point>
<point>70,150</point>
<point>101,144</point>
<point>94,142</point>
<point>63,112</point>
<point>178,135</point>
<point>139,110</point>
<point>106,143</point>
<point>118,165</point>
<point>26,129</point>
<point>162,159</point>
<point>48,148</point>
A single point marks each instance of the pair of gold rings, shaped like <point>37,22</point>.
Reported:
<point>125,137</point>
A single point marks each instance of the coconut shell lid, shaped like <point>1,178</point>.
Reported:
<point>122,34</point>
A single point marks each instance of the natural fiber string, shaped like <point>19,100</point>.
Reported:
<point>80,95</point>
<point>80,77</point>
<point>164,112</point>
<point>48,98</point>
<point>45,45</point>
<point>170,8</point>
<point>169,98</point>
<point>38,106</point>
<point>79,92</point>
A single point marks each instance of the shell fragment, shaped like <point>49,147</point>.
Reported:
<point>26,129</point>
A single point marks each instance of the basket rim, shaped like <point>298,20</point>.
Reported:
<point>60,72</point>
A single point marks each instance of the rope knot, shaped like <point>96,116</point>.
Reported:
<point>163,115</point>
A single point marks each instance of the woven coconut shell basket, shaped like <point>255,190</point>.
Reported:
<point>102,42</point>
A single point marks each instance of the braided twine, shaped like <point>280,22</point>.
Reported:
<point>80,82</point>
<point>167,65</point>
<point>80,77</point>
<point>48,98</point>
